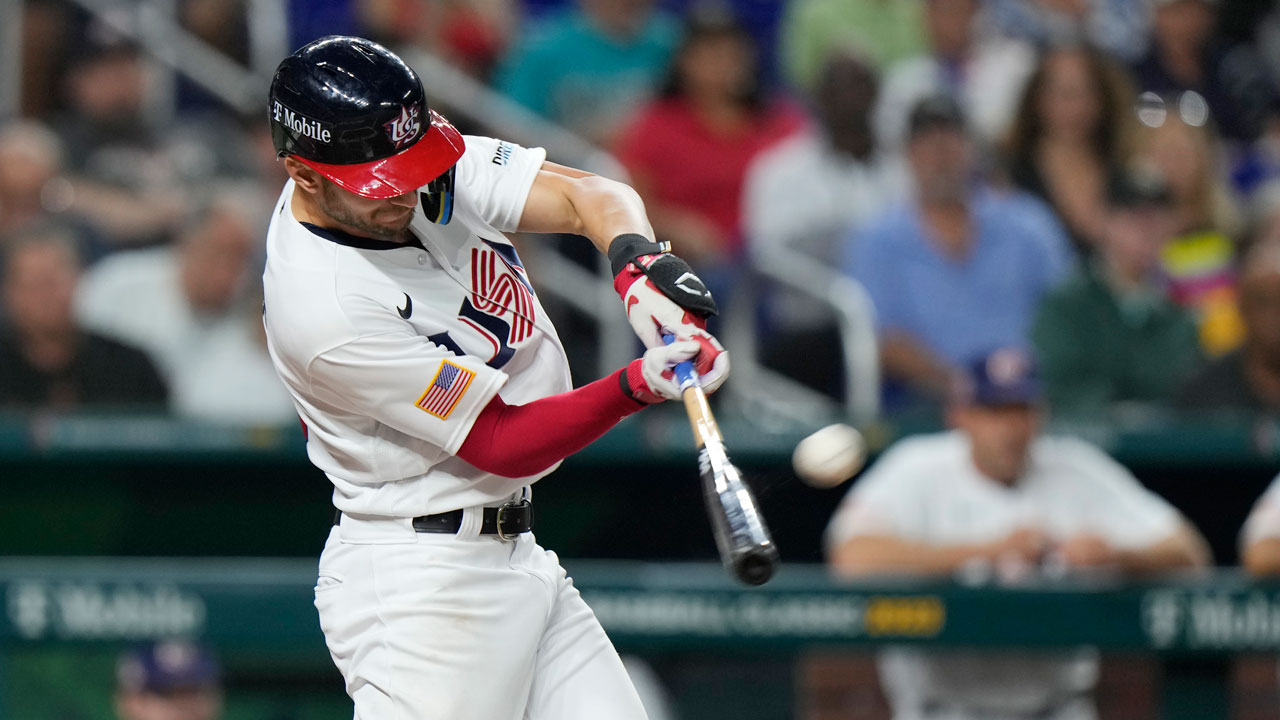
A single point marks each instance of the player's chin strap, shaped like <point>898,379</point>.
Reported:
<point>437,199</point>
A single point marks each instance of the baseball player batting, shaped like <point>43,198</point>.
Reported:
<point>435,391</point>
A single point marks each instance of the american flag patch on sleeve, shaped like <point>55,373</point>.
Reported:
<point>444,392</point>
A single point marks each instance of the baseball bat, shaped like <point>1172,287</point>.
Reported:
<point>742,537</point>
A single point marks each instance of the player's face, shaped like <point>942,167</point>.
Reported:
<point>999,438</point>
<point>379,219</point>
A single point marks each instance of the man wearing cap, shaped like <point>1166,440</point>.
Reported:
<point>991,498</point>
<point>956,270</point>
<point>170,680</point>
<point>1110,337</point>
<point>434,390</point>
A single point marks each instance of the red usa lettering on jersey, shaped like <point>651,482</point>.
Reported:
<point>498,290</point>
<point>500,305</point>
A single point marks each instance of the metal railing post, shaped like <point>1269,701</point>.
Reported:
<point>855,321</point>
<point>164,39</point>
<point>268,24</point>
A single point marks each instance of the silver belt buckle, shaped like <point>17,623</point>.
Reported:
<point>500,515</point>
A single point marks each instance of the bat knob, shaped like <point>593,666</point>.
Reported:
<point>756,568</point>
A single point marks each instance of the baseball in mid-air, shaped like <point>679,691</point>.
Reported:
<point>829,456</point>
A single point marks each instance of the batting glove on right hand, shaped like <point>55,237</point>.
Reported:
<point>662,295</point>
<point>651,379</point>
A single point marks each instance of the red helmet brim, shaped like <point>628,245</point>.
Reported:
<point>435,152</point>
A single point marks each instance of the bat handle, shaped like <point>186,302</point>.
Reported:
<point>685,373</point>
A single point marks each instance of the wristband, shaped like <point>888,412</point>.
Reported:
<point>626,386</point>
<point>639,393</point>
<point>629,246</point>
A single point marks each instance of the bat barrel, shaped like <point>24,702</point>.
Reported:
<point>741,536</point>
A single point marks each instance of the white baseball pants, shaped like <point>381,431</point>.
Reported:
<point>427,626</point>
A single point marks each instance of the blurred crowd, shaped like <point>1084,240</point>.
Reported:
<point>1061,204</point>
<point>1096,181</point>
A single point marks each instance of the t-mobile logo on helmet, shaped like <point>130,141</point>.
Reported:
<point>404,128</point>
<point>298,123</point>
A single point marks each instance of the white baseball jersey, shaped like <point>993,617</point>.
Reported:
<point>927,489</point>
<point>391,350</point>
<point>1264,519</point>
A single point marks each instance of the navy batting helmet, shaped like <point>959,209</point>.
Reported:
<point>356,113</point>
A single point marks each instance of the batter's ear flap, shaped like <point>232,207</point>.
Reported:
<point>438,207</point>
<point>437,200</point>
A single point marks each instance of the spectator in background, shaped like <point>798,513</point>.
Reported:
<point>1268,37</point>
<point>125,180</point>
<point>802,198</point>
<point>470,34</point>
<point>1111,334</point>
<point>1198,262</point>
<point>808,191</point>
<point>956,271</point>
<point>985,75</point>
<point>1185,55</point>
<point>884,31</point>
<point>1248,379</point>
<point>173,680</point>
<point>1260,535</point>
<point>1071,136</point>
<point>47,30</point>
<point>1177,135</point>
<point>192,307</point>
<point>1118,27</point>
<point>991,498</point>
<point>688,151</point>
<point>34,189</point>
<point>224,27</point>
<point>590,68</point>
<point>30,160</point>
<point>263,166</point>
<point>46,359</point>
<point>1265,213</point>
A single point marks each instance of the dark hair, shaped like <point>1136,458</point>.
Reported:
<point>1112,88</point>
<point>712,22</point>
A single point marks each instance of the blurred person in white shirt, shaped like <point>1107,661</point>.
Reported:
<point>195,307</point>
<point>985,75</point>
<point>993,498</point>
<point>801,200</point>
<point>1260,536</point>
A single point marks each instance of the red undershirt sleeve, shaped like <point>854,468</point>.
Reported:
<point>521,440</point>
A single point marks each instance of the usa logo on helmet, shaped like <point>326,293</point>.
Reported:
<point>405,127</point>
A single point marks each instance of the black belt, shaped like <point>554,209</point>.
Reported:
<point>505,521</point>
